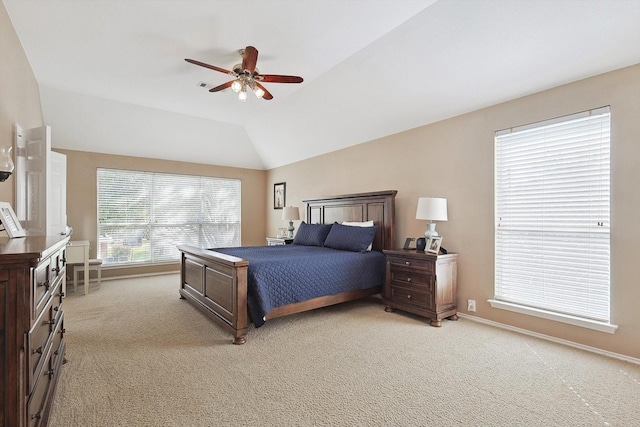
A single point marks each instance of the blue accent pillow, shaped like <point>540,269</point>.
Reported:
<point>348,238</point>
<point>311,234</point>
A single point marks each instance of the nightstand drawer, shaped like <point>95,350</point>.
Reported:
<point>424,266</point>
<point>410,277</point>
<point>407,296</point>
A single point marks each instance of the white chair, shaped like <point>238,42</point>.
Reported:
<point>94,264</point>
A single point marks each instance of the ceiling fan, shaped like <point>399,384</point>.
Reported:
<point>247,76</point>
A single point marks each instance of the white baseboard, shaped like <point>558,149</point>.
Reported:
<point>553,339</point>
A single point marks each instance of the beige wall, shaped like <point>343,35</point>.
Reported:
<point>19,94</point>
<point>454,159</point>
<point>82,196</point>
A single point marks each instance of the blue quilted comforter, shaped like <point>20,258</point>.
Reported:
<point>281,275</point>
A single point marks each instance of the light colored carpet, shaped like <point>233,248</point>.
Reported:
<point>140,356</point>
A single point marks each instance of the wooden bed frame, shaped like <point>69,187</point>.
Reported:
<point>216,283</point>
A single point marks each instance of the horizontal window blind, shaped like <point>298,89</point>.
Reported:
<point>143,216</point>
<point>552,225</point>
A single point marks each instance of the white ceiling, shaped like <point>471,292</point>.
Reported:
<point>113,78</point>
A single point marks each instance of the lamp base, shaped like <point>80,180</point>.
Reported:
<point>431,231</point>
<point>290,230</point>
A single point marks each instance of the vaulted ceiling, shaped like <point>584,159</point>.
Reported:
<point>113,78</point>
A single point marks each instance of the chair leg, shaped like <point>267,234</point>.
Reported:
<point>99,274</point>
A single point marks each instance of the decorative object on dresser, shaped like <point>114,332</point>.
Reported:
<point>279,195</point>
<point>217,282</point>
<point>431,209</point>
<point>10,221</point>
<point>32,272</point>
<point>277,241</point>
<point>290,213</point>
<point>6,163</point>
<point>421,283</point>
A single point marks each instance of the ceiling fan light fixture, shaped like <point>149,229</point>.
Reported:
<point>259,92</point>
<point>242,96</point>
<point>236,86</point>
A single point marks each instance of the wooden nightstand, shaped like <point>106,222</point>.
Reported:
<point>422,284</point>
<point>275,241</point>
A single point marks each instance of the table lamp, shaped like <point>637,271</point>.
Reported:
<point>432,209</point>
<point>290,213</point>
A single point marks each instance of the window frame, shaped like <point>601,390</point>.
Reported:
<point>158,220</point>
<point>517,294</point>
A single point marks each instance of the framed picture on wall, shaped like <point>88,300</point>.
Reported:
<point>10,221</point>
<point>279,195</point>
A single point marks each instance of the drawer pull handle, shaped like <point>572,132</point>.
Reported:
<point>56,308</point>
<point>62,331</point>
<point>407,262</point>
<point>408,296</point>
<point>50,373</point>
<point>37,351</point>
<point>56,270</point>
<point>408,279</point>
<point>36,416</point>
<point>45,284</point>
<point>49,322</point>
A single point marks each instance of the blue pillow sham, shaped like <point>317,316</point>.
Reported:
<point>349,238</point>
<point>311,234</point>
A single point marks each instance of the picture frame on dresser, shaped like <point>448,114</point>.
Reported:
<point>10,221</point>
<point>282,233</point>
<point>279,195</point>
<point>433,245</point>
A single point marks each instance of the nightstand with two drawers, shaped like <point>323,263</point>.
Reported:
<point>421,283</point>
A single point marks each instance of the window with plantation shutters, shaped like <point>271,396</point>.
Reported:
<point>552,221</point>
<point>143,216</point>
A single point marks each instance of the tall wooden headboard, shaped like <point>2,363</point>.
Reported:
<point>378,206</point>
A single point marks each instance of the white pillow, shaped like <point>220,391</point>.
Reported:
<point>359,224</point>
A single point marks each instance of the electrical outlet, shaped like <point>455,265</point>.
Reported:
<point>471,305</point>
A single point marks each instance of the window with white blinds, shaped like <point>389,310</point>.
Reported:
<point>552,185</point>
<point>142,216</point>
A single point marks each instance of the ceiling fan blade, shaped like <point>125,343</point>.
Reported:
<point>275,78</point>
<point>211,67</point>
<point>249,59</point>
<point>267,95</point>
<point>223,86</point>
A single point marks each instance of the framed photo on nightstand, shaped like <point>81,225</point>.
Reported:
<point>433,245</point>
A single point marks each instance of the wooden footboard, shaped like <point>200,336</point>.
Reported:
<point>216,283</point>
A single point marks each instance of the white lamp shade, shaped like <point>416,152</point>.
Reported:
<point>432,209</point>
<point>290,213</point>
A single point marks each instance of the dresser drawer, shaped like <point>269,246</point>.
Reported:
<point>408,296</point>
<point>41,287</point>
<point>57,347</point>
<point>39,397</point>
<point>39,341</point>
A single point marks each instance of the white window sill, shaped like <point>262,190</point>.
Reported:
<point>564,318</point>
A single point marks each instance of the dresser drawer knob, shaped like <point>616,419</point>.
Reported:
<point>37,351</point>
<point>36,416</point>
<point>45,284</point>
<point>408,296</point>
<point>49,322</point>
<point>50,373</point>
<point>407,263</point>
<point>408,279</point>
<point>56,270</point>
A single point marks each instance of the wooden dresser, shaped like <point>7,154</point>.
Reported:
<point>422,284</point>
<point>32,270</point>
